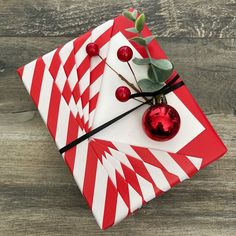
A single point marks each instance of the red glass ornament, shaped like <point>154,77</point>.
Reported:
<point>123,94</point>
<point>161,122</point>
<point>125,53</point>
<point>92,49</point>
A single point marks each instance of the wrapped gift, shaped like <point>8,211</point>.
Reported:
<point>116,166</point>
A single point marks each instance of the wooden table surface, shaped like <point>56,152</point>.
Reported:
<point>38,196</point>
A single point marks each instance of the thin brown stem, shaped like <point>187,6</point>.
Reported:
<point>108,64</point>
<point>135,78</point>
<point>150,103</point>
<point>128,83</point>
<point>121,77</point>
<point>138,100</point>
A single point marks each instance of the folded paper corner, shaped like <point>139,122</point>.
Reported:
<point>20,71</point>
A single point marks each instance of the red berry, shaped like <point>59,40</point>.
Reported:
<point>92,49</point>
<point>125,53</point>
<point>123,94</point>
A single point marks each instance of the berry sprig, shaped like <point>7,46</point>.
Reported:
<point>159,71</point>
<point>125,54</point>
<point>93,50</point>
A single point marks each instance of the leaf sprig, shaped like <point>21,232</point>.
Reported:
<point>158,70</point>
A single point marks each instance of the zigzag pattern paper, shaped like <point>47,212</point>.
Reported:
<point>119,169</point>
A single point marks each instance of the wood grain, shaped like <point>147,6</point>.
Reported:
<point>38,196</point>
<point>169,18</point>
<point>206,65</point>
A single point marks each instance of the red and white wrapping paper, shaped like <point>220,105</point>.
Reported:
<point>120,168</point>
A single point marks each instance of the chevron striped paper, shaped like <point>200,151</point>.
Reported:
<point>119,169</point>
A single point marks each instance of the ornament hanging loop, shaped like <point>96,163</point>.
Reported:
<point>159,99</point>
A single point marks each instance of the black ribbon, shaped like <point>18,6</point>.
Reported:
<point>165,90</point>
<point>171,86</point>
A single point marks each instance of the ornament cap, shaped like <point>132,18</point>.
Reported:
<point>159,99</point>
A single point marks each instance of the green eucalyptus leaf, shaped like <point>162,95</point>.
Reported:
<point>132,30</point>
<point>139,41</point>
<point>162,64</point>
<point>135,14</point>
<point>128,15</point>
<point>139,23</point>
<point>141,61</point>
<point>149,39</point>
<point>162,75</point>
<point>148,85</point>
<point>151,74</point>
